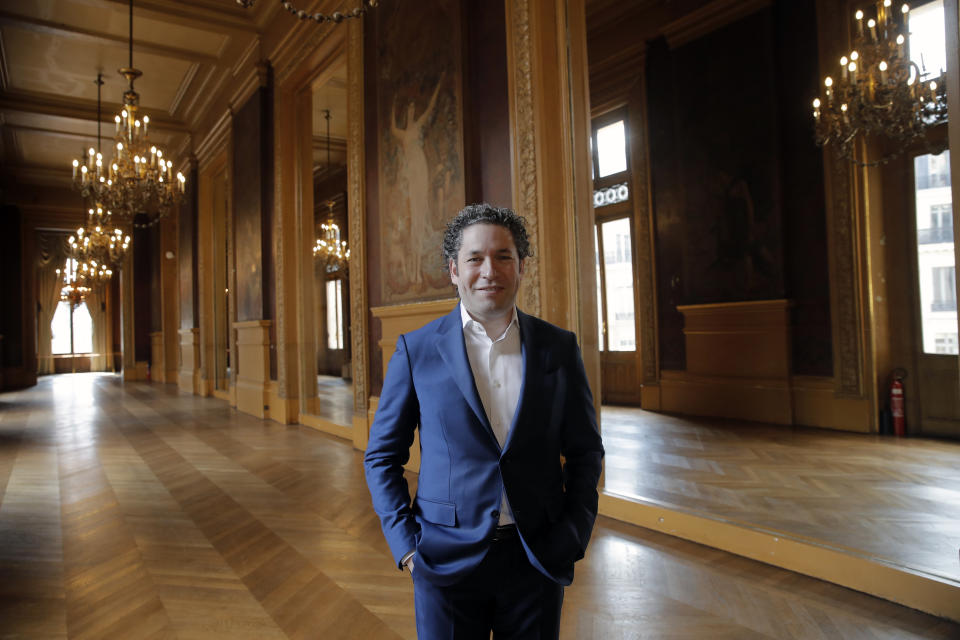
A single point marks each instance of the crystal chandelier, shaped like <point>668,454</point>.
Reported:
<point>75,288</point>
<point>880,92</point>
<point>139,180</point>
<point>336,17</point>
<point>330,249</point>
<point>97,248</point>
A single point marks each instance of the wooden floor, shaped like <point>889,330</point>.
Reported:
<point>131,511</point>
<point>889,498</point>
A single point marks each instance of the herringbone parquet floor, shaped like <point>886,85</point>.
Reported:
<point>131,511</point>
<point>892,498</point>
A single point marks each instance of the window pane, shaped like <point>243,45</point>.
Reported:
<point>334,315</point>
<point>82,329</point>
<point>928,38</point>
<point>611,149</point>
<point>938,292</point>
<point>60,327</point>
<point>596,253</point>
<point>618,271</point>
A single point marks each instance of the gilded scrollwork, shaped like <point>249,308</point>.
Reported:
<point>356,226</point>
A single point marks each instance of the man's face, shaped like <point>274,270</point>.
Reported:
<point>487,272</point>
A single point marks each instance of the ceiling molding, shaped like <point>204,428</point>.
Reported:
<point>247,57</point>
<point>215,141</point>
<point>98,37</point>
<point>218,15</point>
<point>56,133</point>
<point>39,175</point>
<point>709,18</point>
<point>183,88</point>
<point>77,109</point>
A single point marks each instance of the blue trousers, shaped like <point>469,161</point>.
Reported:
<point>505,595</point>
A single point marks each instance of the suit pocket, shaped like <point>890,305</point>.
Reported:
<point>436,512</point>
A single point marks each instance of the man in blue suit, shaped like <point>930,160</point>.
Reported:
<point>510,451</point>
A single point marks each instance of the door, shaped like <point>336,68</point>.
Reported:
<point>936,297</point>
<point>616,276</point>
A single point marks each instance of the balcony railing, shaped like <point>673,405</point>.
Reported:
<point>934,235</point>
<point>943,305</point>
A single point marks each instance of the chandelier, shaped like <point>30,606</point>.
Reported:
<point>880,92</point>
<point>336,17</point>
<point>330,249</point>
<point>139,180</point>
<point>75,287</point>
<point>98,248</point>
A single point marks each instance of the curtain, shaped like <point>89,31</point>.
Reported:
<point>51,255</point>
<point>98,317</point>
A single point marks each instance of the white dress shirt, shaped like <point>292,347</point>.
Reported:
<point>497,367</point>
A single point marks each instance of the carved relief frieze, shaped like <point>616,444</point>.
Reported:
<point>844,278</point>
<point>525,153</point>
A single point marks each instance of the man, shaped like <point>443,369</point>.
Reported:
<point>510,451</point>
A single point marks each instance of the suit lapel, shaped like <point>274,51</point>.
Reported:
<point>454,353</point>
<point>534,369</point>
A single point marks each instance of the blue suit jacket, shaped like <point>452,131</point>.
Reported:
<point>550,465</point>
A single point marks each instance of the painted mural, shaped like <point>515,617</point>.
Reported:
<point>419,107</point>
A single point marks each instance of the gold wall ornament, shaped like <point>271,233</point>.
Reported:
<point>336,17</point>
<point>879,91</point>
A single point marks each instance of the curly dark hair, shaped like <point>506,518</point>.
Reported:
<point>484,213</point>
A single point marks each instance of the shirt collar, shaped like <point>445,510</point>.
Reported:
<point>466,319</point>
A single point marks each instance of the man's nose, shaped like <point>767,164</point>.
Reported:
<point>486,268</point>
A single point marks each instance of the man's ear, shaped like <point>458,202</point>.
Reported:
<point>523,261</point>
<point>452,266</point>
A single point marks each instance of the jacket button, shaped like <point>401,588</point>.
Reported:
<point>495,514</point>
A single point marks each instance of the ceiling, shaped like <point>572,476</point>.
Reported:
<point>52,50</point>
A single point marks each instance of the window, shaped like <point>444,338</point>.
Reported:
<point>608,146</point>
<point>72,330</point>
<point>334,314</point>
<point>935,263</point>
<point>617,285</point>
<point>944,289</point>
<point>611,149</point>
<point>941,215</point>
<point>613,238</point>
<point>946,343</point>
<point>928,48</point>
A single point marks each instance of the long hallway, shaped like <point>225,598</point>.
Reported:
<point>131,511</point>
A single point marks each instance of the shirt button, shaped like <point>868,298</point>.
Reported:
<point>496,383</point>
<point>495,514</point>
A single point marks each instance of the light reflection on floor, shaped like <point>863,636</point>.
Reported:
<point>335,400</point>
<point>897,499</point>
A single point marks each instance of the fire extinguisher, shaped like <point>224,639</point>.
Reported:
<point>896,402</point>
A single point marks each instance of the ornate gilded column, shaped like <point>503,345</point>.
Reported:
<point>550,124</point>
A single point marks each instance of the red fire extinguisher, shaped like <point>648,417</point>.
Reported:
<point>896,403</point>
